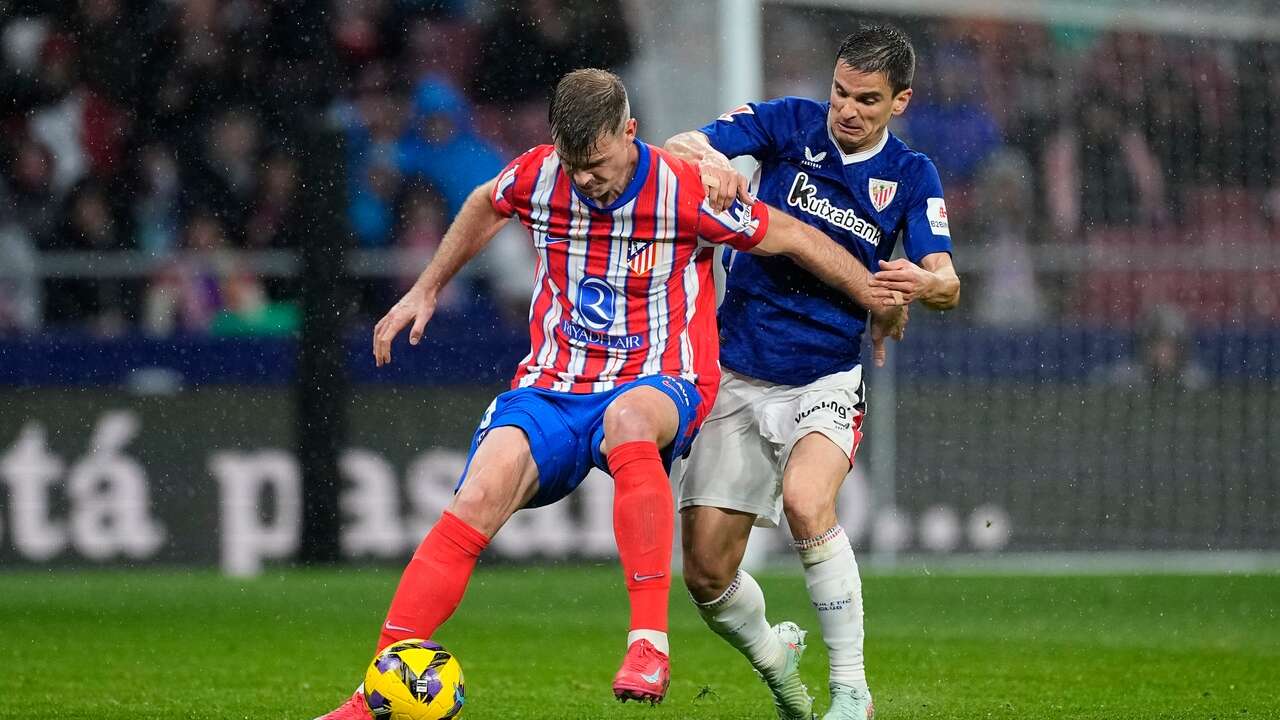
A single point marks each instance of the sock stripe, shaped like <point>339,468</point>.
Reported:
<point>813,542</point>
<point>725,596</point>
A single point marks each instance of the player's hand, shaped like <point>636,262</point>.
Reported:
<point>900,282</point>
<point>891,323</point>
<point>417,306</point>
<point>722,183</point>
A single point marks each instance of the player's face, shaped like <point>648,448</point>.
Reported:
<point>604,174</point>
<point>861,105</point>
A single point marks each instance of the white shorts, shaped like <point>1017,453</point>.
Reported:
<point>743,447</point>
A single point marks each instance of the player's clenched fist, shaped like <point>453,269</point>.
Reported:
<point>722,183</point>
<point>417,307</point>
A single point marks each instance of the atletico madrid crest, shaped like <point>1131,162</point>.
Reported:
<point>882,192</point>
<point>641,256</point>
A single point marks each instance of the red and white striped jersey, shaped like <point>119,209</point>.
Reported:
<point>626,290</point>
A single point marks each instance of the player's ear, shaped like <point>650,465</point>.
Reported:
<point>629,129</point>
<point>900,101</point>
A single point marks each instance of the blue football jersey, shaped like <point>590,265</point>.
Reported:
<point>778,322</point>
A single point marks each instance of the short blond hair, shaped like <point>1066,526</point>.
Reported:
<point>587,103</point>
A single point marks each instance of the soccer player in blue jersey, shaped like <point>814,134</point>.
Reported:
<point>786,425</point>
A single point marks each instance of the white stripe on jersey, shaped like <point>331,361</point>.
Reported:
<point>691,287</point>
<point>659,308</point>
<point>576,250</point>
<point>616,276</point>
<point>540,217</point>
<point>539,276</point>
<point>507,179</point>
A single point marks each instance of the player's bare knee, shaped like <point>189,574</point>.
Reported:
<point>481,506</point>
<point>705,577</point>
<point>624,423</point>
<point>807,514</point>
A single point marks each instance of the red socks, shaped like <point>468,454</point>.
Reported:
<point>434,581</point>
<point>643,524</point>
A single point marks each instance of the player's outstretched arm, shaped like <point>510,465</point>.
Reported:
<point>933,282</point>
<point>811,249</point>
<point>475,226</point>
<point>722,183</point>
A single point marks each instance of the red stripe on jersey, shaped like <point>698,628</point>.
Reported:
<point>639,286</point>
<point>600,256</point>
<point>704,336</point>
<point>559,224</point>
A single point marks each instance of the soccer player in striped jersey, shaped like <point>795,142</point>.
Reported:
<point>623,363</point>
<point>787,423</point>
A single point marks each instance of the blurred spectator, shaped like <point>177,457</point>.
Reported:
<point>374,197</point>
<point>108,34</point>
<point>1164,354</point>
<point>20,296</point>
<point>373,123</point>
<point>355,27</point>
<point>273,220</point>
<point>440,147</point>
<point>799,63</point>
<point>423,220</point>
<point>441,47</point>
<point>1028,93</point>
<point>27,198</point>
<point>156,209</point>
<point>208,290</point>
<point>80,126</point>
<point>1005,221</point>
<point>1100,171</point>
<point>103,304</point>
<point>529,44</point>
<point>226,177</point>
<point>947,119</point>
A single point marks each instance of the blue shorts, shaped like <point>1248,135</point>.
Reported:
<point>565,430</point>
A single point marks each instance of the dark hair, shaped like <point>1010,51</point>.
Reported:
<point>881,48</point>
<point>587,103</point>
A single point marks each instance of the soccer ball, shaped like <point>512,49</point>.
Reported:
<point>414,680</point>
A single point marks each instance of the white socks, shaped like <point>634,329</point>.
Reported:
<point>738,617</point>
<point>831,575</point>
<point>657,637</point>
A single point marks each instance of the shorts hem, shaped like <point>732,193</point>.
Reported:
<point>765,517</point>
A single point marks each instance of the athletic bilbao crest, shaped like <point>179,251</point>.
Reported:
<point>641,255</point>
<point>882,192</point>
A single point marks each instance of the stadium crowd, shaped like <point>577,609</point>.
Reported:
<point>172,130</point>
<point>1153,154</point>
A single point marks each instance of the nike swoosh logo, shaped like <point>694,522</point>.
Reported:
<point>641,578</point>
<point>651,678</point>
<point>553,241</point>
<point>397,628</point>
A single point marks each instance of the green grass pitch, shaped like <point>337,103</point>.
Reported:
<point>543,642</point>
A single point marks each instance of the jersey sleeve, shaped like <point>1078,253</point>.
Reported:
<point>927,230</point>
<point>755,129</point>
<point>511,192</point>
<point>741,226</point>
